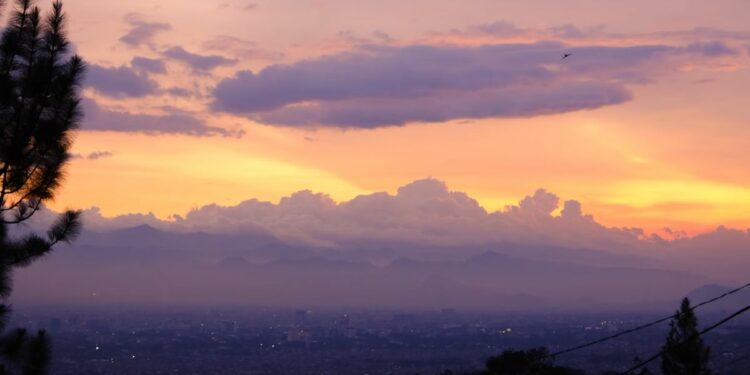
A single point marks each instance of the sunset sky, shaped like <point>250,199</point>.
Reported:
<point>190,103</point>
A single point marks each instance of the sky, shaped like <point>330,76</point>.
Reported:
<point>217,102</point>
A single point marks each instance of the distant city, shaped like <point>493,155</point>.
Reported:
<point>305,341</point>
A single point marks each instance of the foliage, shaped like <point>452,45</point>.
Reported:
<point>39,110</point>
<point>684,351</point>
<point>525,362</point>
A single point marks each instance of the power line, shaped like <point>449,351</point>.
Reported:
<point>644,326</point>
<point>693,337</point>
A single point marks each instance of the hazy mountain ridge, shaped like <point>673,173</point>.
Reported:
<point>144,265</point>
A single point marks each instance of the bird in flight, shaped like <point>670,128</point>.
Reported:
<point>565,56</point>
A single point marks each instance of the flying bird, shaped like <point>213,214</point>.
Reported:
<point>565,56</point>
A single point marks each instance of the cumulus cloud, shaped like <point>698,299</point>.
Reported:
<point>141,31</point>
<point>385,85</point>
<point>175,122</point>
<point>423,212</point>
<point>120,81</point>
<point>196,61</point>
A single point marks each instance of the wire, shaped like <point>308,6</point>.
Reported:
<point>693,337</point>
<point>644,326</point>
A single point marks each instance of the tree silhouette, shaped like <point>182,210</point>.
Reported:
<point>684,351</point>
<point>525,362</point>
<point>39,109</point>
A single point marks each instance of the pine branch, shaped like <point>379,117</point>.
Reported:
<point>32,247</point>
<point>66,229</point>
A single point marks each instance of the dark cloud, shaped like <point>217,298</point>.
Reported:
<point>147,65</point>
<point>142,32</point>
<point>175,122</point>
<point>382,86</point>
<point>119,82</point>
<point>198,62</point>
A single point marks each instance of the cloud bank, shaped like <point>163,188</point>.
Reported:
<point>382,85</point>
<point>422,212</point>
<point>174,122</point>
<point>121,81</point>
<point>148,65</point>
<point>425,218</point>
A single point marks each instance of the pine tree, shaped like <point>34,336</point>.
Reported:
<point>526,362</point>
<point>39,110</point>
<point>684,351</point>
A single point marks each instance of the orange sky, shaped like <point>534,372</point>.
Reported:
<point>674,156</point>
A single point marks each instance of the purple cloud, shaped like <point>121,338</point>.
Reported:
<point>119,82</point>
<point>198,62</point>
<point>175,122</point>
<point>141,31</point>
<point>96,155</point>
<point>711,49</point>
<point>384,86</point>
<point>373,113</point>
<point>147,65</point>
<point>99,155</point>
